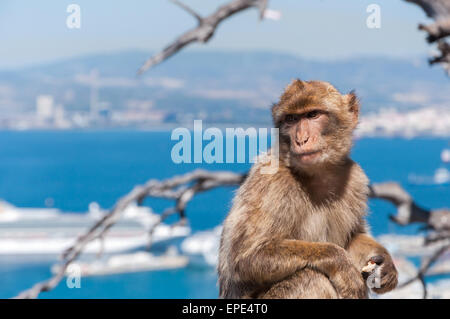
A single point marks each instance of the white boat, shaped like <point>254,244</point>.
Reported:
<point>441,176</point>
<point>32,231</point>
<point>445,156</point>
<point>202,248</point>
<point>126,263</point>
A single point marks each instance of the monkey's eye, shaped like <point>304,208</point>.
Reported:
<point>291,118</point>
<point>312,114</point>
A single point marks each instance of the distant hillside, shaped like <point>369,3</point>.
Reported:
<point>218,86</point>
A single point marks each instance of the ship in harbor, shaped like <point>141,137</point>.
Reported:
<point>48,231</point>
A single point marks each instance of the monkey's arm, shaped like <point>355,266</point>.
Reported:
<point>362,249</point>
<point>280,259</point>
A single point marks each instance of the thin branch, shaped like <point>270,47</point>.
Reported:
<point>444,55</point>
<point>182,189</point>
<point>436,9</point>
<point>424,268</point>
<point>437,30</point>
<point>262,8</point>
<point>436,237</point>
<point>407,210</point>
<point>439,10</point>
<point>188,9</point>
<point>205,29</point>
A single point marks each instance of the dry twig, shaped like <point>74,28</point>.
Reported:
<point>439,10</point>
<point>205,28</point>
<point>409,212</point>
<point>179,188</point>
<point>424,268</point>
<point>183,188</point>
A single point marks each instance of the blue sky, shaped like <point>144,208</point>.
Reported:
<point>35,31</point>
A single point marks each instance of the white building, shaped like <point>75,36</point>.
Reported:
<point>44,107</point>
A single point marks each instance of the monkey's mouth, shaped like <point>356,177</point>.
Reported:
<point>310,153</point>
<point>309,157</point>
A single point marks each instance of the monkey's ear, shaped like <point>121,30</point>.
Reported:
<point>275,115</point>
<point>295,86</point>
<point>353,106</point>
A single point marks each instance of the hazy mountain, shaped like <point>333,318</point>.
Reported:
<point>218,86</point>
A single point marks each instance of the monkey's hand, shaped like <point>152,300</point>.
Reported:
<point>380,273</point>
<point>374,261</point>
<point>279,259</point>
<point>345,277</point>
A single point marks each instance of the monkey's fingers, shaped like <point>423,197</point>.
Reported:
<point>350,284</point>
<point>389,281</point>
<point>389,277</point>
<point>377,259</point>
<point>372,265</point>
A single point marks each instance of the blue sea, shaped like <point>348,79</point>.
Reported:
<point>74,169</point>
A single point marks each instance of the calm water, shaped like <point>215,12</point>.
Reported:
<point>76,168</point>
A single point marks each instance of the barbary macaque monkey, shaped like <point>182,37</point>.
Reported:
<point>301,232</point>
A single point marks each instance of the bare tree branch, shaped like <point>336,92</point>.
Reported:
<point>407,210</point>
<point>437,236</point>
<point>262,8</point>
<point>188,9</point>
<point>444,57</point>
<point>436,9</point>
<point>205,29</point>
<point>439,10</point>
<point>436,31</point>
<point>182,190</point>
<point>424,268</point>
<point>179,188</point>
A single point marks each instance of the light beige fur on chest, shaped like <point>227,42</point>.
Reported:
<point>331,221</point>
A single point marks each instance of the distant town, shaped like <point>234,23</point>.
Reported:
<point>48,115</point>
<point>426,121</point>
<point>103,92</point>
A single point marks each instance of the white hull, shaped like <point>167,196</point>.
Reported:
<point>49,232</point>
<point>111,244</point>
<point>126,263</point>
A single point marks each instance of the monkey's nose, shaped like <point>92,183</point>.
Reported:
<point>304,140</point>
<point>301,140</point>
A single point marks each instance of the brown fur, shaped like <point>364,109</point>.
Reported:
<point>301,233</point>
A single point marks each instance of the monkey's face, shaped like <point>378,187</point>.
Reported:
<point>306,132</point>
<point>316,124</point>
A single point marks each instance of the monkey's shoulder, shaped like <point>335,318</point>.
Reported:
<point>358,177</point>
<point>265,180</point>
